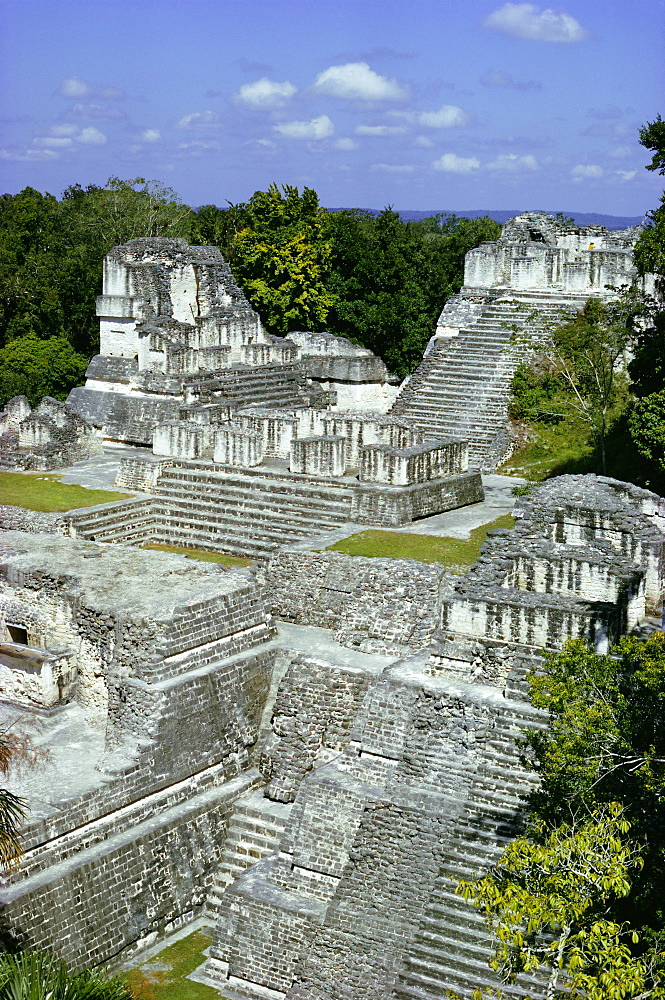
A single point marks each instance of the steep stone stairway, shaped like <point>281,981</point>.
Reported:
<point>451,946</point>
<point>248,512</point>
<point>254,831</point>
<point>268,385</point>
<point>461,388</point>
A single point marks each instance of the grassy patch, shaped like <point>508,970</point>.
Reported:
<point>164,976</point>
<point>202,554</point>
<point>39,491</point>
<point>455,553</point>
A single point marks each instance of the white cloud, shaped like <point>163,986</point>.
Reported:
<point>23,155</point>
<point>357,81</point>
<point>424,141</point>
<point>451,163</point>
<point>346,143</point>
<point>63,130</point>
<point>525,20</point>
<point>260,143</point>
<point>317,128</point>
<point>379,130</point>
<point>150,135</point>
<point>393,168</point>
<point>447,116</point>
<point>621,152</point>
<point>626,175</point>
<point>52,141</point>
<point>584,171</point>
<point>198,147</point>
<point>512,163</point>
<point>91,137</point>
<point>74,86</point>
<point>112,93</point>
<point>265,93</point>
<point>200,120</point>
<point>95,113</point>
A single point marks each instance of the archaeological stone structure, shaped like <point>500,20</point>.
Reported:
<point>539,270</point>
<point>306,755</point>
<point>177,331</point>
<point>51,436</point>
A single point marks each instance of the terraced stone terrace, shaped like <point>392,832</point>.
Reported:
<point>462,386</point>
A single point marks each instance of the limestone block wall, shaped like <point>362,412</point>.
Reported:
<point>314,711</point>
<point>145,875</point>
<point>238,447</point>
<point>381,463</point>
<point>375,503</point>
<point>361,851</point>
<point>276,429</point>
<point>182,439</point>
<point>36,679</point>
<point>374,605</point>
<point>318,456</point>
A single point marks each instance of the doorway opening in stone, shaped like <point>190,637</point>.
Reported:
<point>18,633</point>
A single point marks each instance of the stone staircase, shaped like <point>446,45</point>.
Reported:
<point>275,385</point>
<point>462,387</point>
<point>254,831</point>
<point>248,512</point>
<point>451,946</point>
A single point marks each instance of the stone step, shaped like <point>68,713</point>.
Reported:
<point>273,502</point>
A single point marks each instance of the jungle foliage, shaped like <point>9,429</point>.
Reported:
<point>580,896</point>
<point>378,280</point>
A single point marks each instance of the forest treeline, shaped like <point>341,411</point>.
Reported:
<point>375,279</point>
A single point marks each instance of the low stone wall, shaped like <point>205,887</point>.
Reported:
<point>374,605</point>
<point>127,885</point>
<point>20,519</point>
<point>318,456</point>
<point>376,503</point>
<point>406,466</point>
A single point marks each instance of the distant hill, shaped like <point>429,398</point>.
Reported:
<point>581,218</point>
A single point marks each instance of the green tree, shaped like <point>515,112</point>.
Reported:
<point>647,430</point>
<point>649,253</point>
<point>390,279</point>
<point>280,256</point>
<point>546,904</point>
<point>606,743</point>
<point>580,365</point>
<point>652,136</point>
<point>37,975</point>
<point>12,807</point>
<point>36,368</point>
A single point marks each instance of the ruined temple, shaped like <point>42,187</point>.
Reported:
<point>304,755</point>
<point>310,793</point>
<point>51,436</point>
<point>176,331</point>
<point>515,289</point>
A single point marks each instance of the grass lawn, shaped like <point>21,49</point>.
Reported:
<point>202,554</point>
<point>455,553</point>
<point>164,976</point>
<point>41,491</point>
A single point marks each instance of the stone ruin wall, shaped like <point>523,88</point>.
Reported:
<point>167,703</point>
<point>176,329</point>
<point>50,436</point>
<point>387,768</point>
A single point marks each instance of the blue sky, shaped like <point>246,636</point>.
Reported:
<point>422,105</point>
